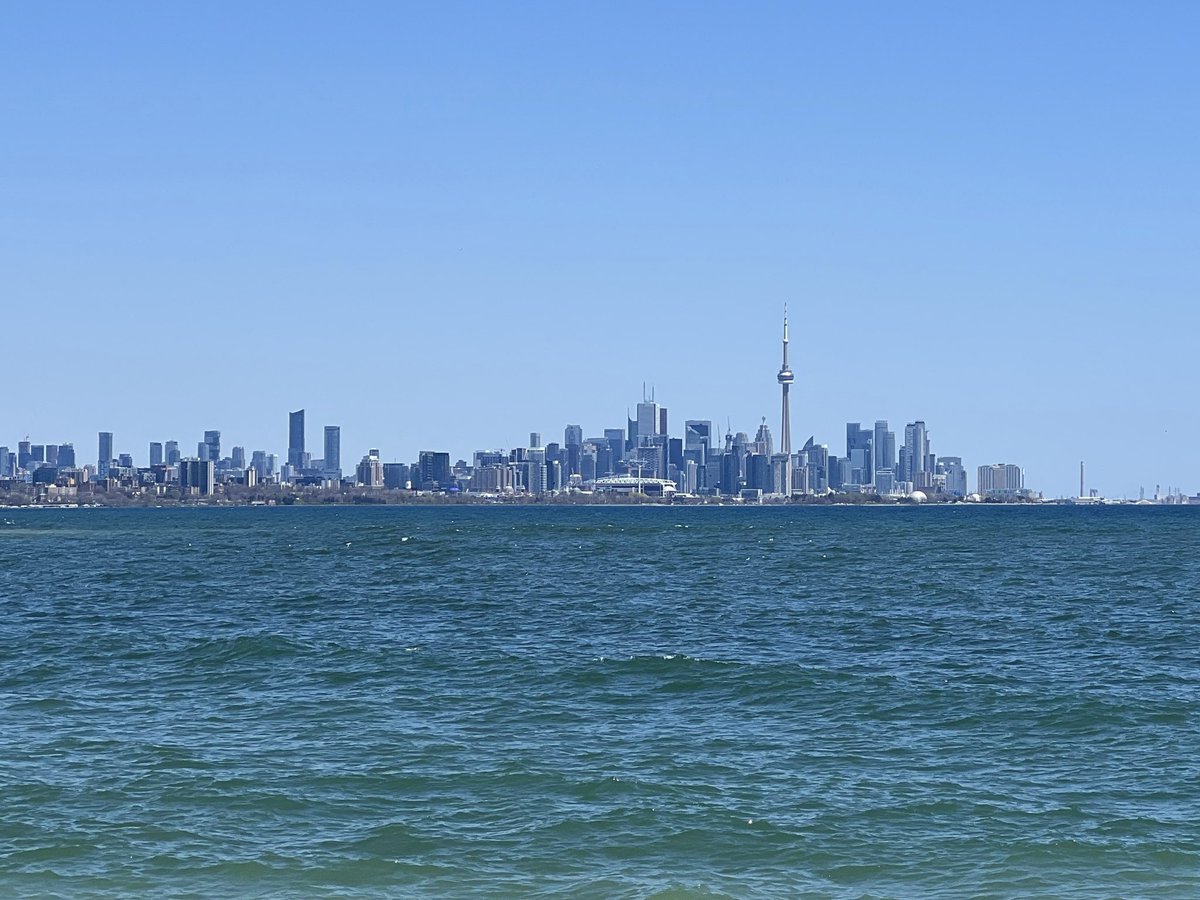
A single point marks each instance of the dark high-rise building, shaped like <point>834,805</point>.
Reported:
<point>105,456</point>
<point>125,461</point>
<point>395,475</point>
<point>156,453</point>
<point>858,452</point>
<point>196,477</point>
<point>37,453</point>
<point>212,440</point>
<point>238,457</point>
<point>573,441</point>
<point>171,452</point>
<point>731,472</point>
<point>24,454</point>
<point>605,463</point>
<point>758,472</point>
<point>588,459</point>
<point>836,472</point>
<point>616,443</point>
<point>296,439</point>
<point>258,462</point>
<point>434,469</point>
<point>675,452</point>
<point>884,447</point>
<point>66,456</point>
<point>51,452</point>
<point>697,439</point>
<point>333,451</point>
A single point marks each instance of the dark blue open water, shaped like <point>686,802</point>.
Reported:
<point>603,702</point>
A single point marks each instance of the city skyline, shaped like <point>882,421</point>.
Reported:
<point>208,450</point>
<point>449,229</point>
<point>695,458</point>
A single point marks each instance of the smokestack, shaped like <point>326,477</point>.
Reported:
<point>1081,478</point>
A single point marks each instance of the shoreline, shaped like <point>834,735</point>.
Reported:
<point>539,504</point>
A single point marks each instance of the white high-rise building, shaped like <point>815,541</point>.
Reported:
<point>647,422</point>
<point>1000,479</point>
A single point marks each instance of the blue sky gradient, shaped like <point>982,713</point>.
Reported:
<point>445,226</point>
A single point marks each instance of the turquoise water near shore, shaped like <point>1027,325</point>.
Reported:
<point>842,702</point>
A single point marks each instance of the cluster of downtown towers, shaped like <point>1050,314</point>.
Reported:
<point>644,450</point>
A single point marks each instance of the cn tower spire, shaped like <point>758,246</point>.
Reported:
<point>785,378</point>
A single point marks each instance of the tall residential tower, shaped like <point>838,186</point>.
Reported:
<point>296,439</point>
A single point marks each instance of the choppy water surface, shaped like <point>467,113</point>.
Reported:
<point>606,702</point>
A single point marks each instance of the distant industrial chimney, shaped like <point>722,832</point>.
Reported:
<point>1081,493</point>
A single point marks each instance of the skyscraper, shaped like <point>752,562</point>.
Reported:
<point>434,470</point>
<point>258,462</point>
<point>956,475</point>
<point>884,448</point>
<point>697,439</point>
<point>171,452</point>
<point>573,441</point>
<point>370,471</point>
<point>765,445</point>
<point>196,477</point>
<point>105,456</point>
<point>647,422</point>
<point>296,439</point>
<point>333,451</point>
<point>616,443</point>
<point>213,440</point>
<point>916,442</point>
<point>156,453</point>
<point>858,452</point>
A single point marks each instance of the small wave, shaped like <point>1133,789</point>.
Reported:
<point>244,648</point>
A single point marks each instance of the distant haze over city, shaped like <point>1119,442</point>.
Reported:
<point>445,228</point>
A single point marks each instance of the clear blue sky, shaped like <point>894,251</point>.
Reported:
<point>447,225</point>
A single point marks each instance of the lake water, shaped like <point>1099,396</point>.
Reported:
<point>842,702</point>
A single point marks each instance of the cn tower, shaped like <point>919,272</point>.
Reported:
<point>785,378</point>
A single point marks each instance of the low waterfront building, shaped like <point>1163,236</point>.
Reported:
<point>632,484</point>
